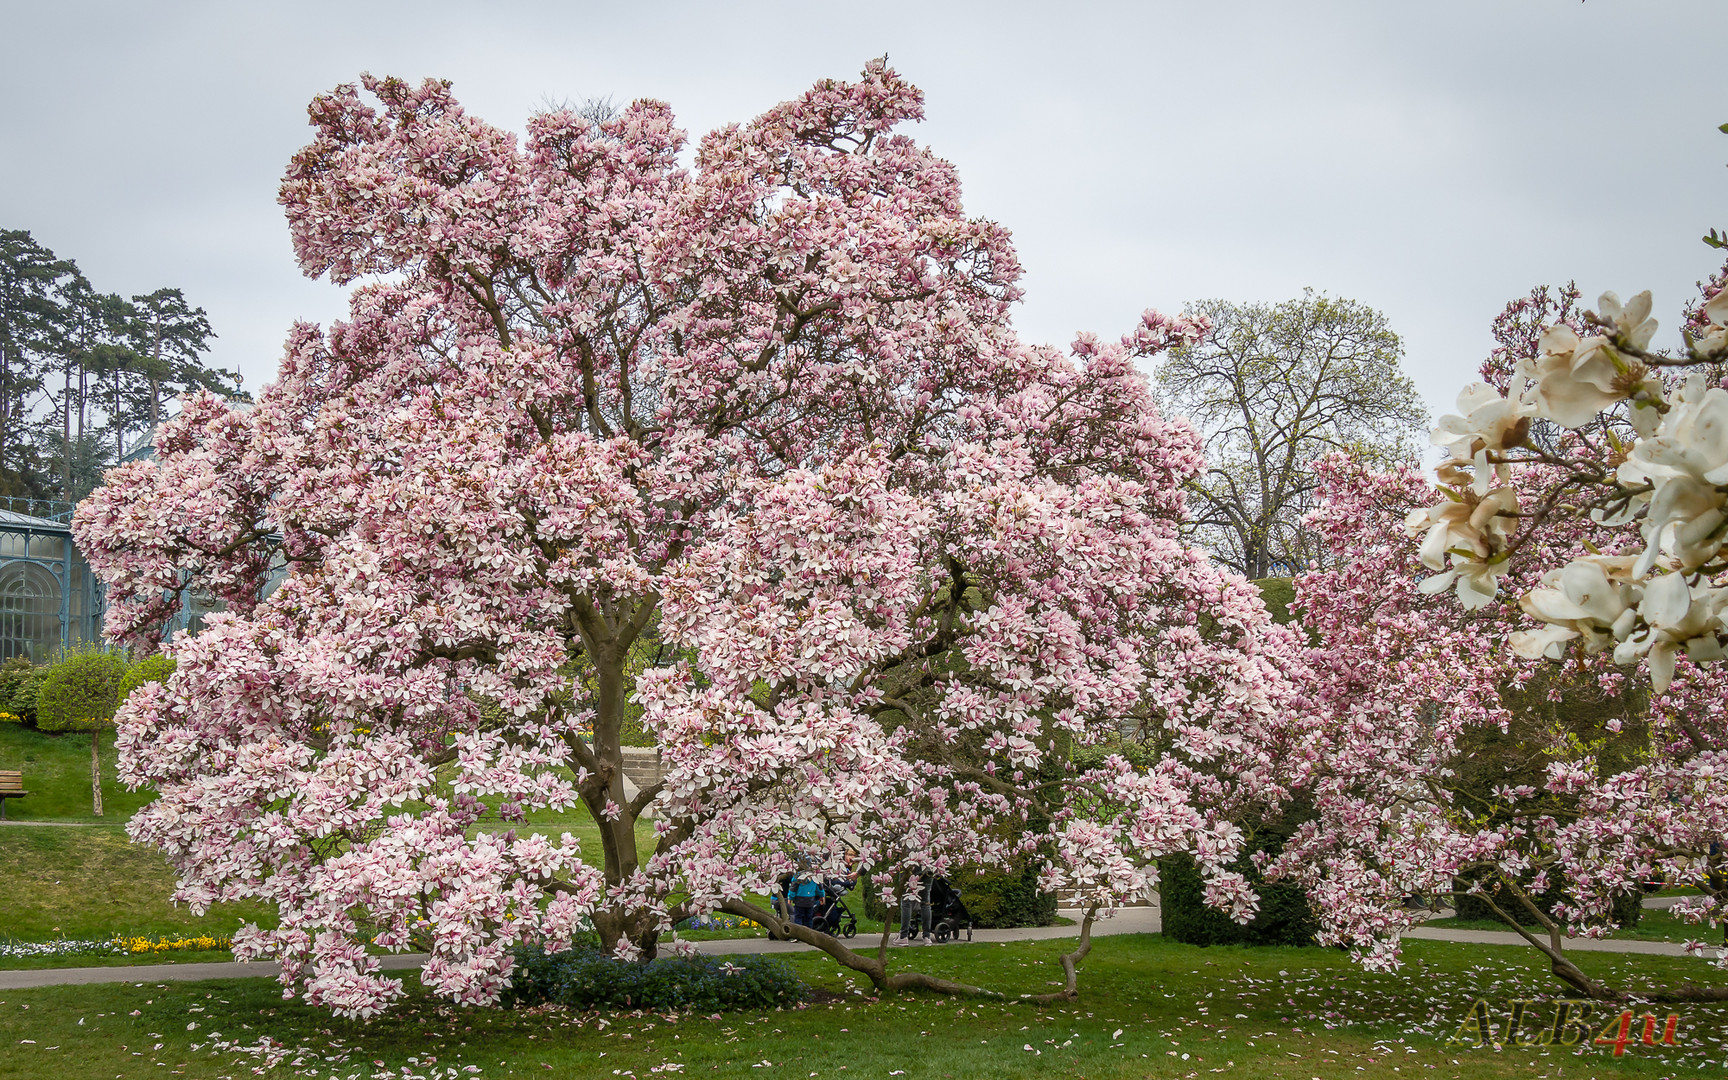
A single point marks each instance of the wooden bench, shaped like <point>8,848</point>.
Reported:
<point>11,787</point>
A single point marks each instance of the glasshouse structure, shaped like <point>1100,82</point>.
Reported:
<point>49,600</point>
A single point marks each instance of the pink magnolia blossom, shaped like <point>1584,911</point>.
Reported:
<point>767,409</point>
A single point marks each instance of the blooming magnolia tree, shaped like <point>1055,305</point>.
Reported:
<point>1579,494</point>
<point>768,406</point>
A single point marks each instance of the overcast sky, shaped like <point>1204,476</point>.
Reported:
<point>1431,159</point>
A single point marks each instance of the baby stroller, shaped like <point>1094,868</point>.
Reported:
<point>947,913</point>
<point>832,916</point>
<point>937,913</point>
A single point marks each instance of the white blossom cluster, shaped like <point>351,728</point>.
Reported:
<point>1670,482</point>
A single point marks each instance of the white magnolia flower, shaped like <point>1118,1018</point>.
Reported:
<point>1716,309</point>
<point>1684,462</point>
<point>1715,341</point>
<point>1574,379</point>
<point>1473,532</point>
<point>1591,598</point>
<point>1633,326</point>
<point>1476,581</point>
<point>1470,526</point>
<point>1489,422</point>
<point>1675,615</point>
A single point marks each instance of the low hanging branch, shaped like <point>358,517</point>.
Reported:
<point>876,968</point>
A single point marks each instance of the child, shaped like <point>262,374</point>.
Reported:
<point>807,893</point>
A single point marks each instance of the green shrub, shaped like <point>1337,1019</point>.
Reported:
<point>153,668</point>
<point>1003,901</point>
<point>588,979</point>
<point>20,682</point>
<point>80,692</point>
<point>1284,917</point>
<point>12,673</point>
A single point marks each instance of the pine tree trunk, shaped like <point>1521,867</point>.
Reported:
<point>66,433</point>
<point>5,409</point>
<point>96,769</point>
<point>155,382</point>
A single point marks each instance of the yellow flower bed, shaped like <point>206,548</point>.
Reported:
<point>202,943</point>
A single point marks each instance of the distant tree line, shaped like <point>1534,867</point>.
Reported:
<point>84,373</point>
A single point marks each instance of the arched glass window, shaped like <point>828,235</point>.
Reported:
<point>29,612</point>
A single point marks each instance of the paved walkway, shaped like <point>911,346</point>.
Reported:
<point>62,824</point>
<point>1507,937</point>
<point>1141,920</point>
<point>1138,920</point>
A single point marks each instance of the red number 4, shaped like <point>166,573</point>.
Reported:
<point>1618,1033</point>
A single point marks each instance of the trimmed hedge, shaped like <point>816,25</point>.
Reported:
<point>1004,901</point>
<point>1277,593</point>
<point>1284,917</point>
<point>589,979</point>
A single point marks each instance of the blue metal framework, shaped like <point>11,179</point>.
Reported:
<point>49,599</point>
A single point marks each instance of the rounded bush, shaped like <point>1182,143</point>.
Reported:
<point>80,692</point>
<point>153,668</point>
<point>1002,901</point>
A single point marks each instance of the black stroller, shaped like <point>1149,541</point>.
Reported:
<point>947,913</point>
<point>832,916</point>
<point>938,913</point>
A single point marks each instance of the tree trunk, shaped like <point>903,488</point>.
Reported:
<point>5,407</point>
<point>605,798</point>
<point>66,432</point>
<point>155,381</point>
<point>96,769</point>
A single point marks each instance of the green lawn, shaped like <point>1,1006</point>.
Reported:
<point>1148,1008</point>
<point>92,883</point>
<point>89,882</point>
<point>56,772</point>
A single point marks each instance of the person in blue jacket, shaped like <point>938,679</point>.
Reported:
<point>807,894</point>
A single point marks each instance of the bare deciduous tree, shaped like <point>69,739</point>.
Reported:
<point>1273,388</point>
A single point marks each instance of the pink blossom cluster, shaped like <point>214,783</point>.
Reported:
<point>767,409</point>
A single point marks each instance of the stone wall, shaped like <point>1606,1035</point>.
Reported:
<point>642,764</point>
